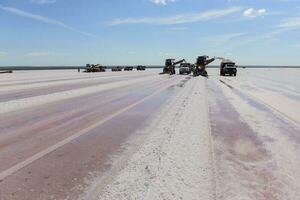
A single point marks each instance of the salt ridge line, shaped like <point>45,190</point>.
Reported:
<point>118,164</point>
<point>288,115</point>
<point>286,173</point>
<point>66,78</point>
<point>4,174</point>
<point>211,143</point>
<point>14,105</point>
<point>180,137</point>
<point>59,82</point>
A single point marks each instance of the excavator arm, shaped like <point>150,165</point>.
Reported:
<point>180,61</point>
<point>210,61</point>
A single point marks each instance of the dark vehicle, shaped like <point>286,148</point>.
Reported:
<point>200,68</point>
<point>228,67</point>
<point>6,72</point>
<point>128,68</point>
<point>185,68</point>
<point>141,68</point>
<point>94,68</point>
<point>170,66</point>
<point>116,69</point>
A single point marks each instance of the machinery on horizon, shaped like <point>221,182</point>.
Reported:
<point>6,72</point>
<point>141,68</point>
<point>116,69</point>
<point>170,66</point>
<point>128,68</point>
<point>94,68</point>
<point>200,66</point>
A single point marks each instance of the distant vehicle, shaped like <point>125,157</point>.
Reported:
<point>128,68</point>
<point>6,72</point>
<point>228,67</point>
<point>185,68</point>
<point>94,68</point>
<point>141,68</point>
<point>116,69</point>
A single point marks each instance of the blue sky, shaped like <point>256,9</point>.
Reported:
<point>76,32</point>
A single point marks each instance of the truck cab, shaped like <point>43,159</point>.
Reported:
<point>228,67</point>
<point>185,68</point>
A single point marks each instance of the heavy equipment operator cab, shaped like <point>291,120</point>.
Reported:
<point>202,60</point>
<point>169,62</point>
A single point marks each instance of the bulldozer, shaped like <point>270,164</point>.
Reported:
<point>94,68</point>
<point>170,66</point>
<point>200,66</point>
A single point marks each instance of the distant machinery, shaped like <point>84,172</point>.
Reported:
<point>90,68</point>
<point>141,68</point>
<point>6,72</point>
<point>116,69</point>
<point>128,68</point>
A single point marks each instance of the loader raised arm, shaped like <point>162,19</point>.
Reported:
<point>170,66</point>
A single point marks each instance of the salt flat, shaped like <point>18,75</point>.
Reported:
<point>140,135</point>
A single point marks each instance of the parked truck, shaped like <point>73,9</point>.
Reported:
<point>185,68</point>
<point>228,67</point>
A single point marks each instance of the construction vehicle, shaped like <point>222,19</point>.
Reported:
<point>170,66</point>
<point>141,68</point>
<point>228,67</point>
<point>6,72</point>
<point>116,69</point>
<point>94,68</point>
<point>128,68</point>
<point>200,66</point>
<point>185,68</point>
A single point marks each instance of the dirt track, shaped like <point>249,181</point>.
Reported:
<point>145,136</point>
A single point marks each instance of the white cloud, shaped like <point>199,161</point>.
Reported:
<point>40,18</point>
<point>41,2</point>
<point>162,2</point>
<point>291,23</point>
<point>41,54</point>
<point>252,13</point>
<point>179,19</point>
